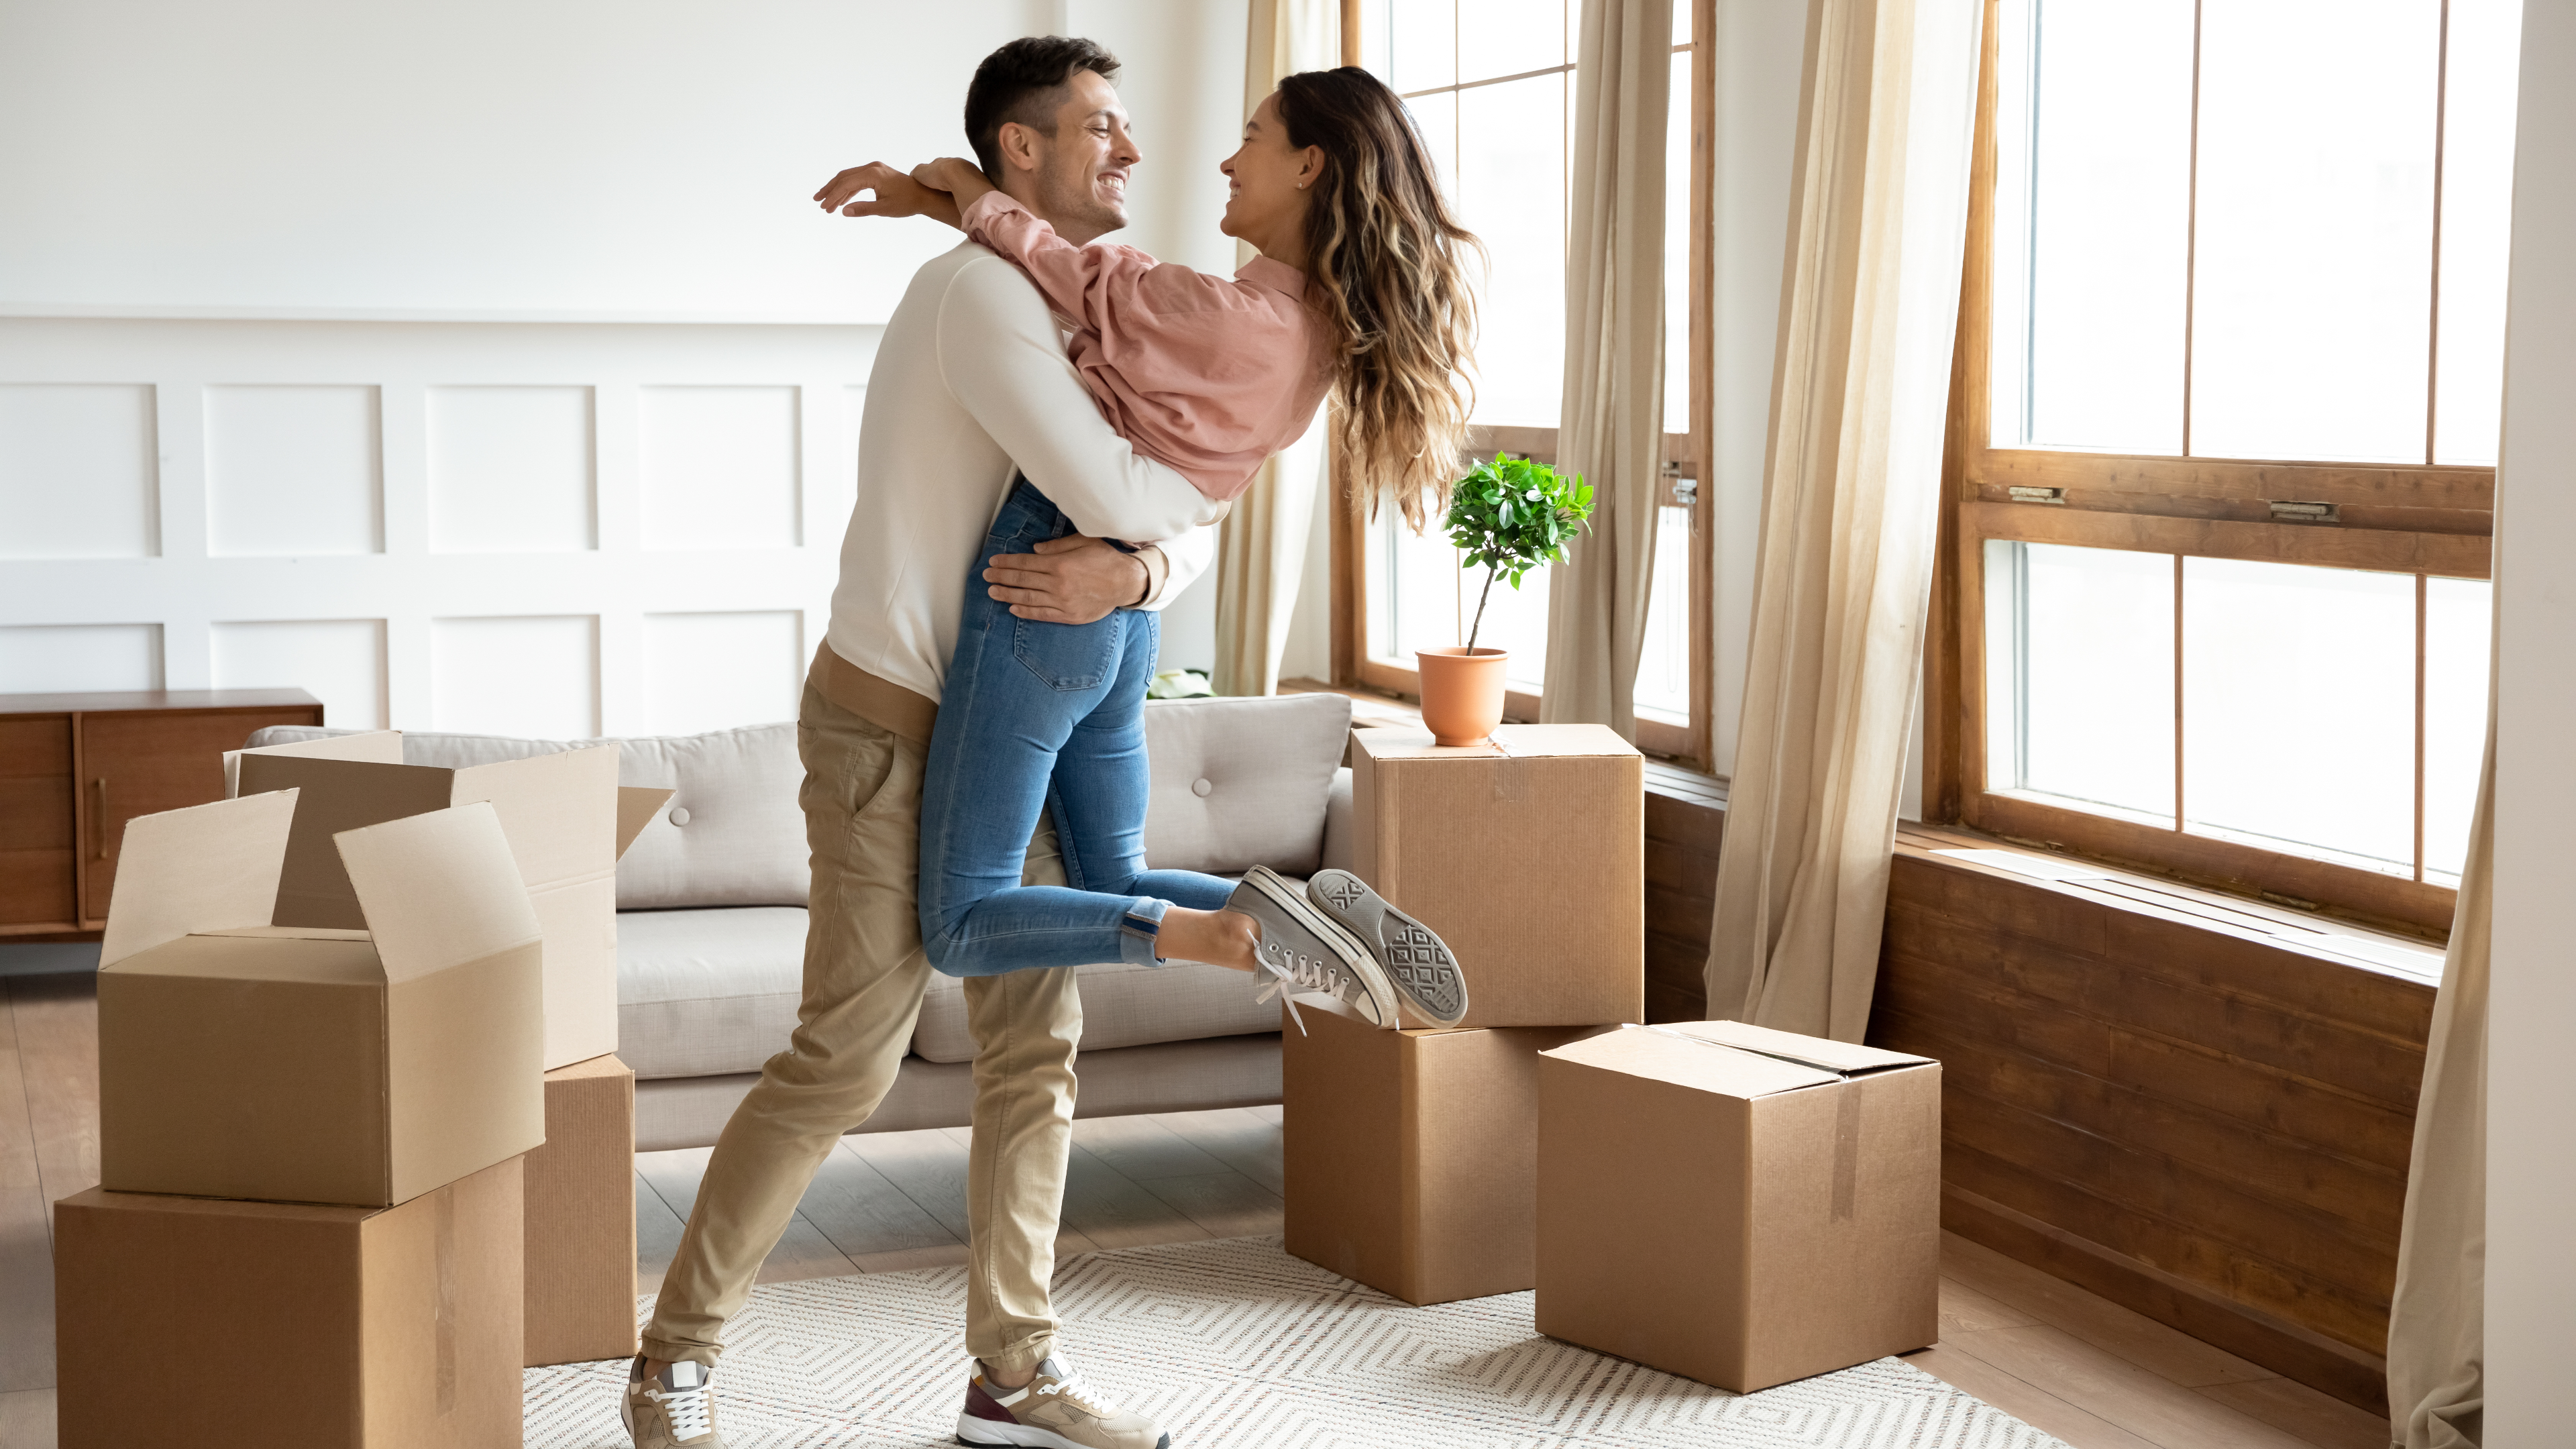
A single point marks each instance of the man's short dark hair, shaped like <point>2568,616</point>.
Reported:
<point>1024,81</point>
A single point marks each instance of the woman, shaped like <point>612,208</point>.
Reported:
<point>1358,291</point>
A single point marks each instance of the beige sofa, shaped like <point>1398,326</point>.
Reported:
<point>711,917</point>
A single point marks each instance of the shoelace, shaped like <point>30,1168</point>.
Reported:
<point>691,1411</point>
<point>1070,1384</point>
<point>1311,974</point>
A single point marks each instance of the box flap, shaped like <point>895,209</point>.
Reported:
<point>383,747</point>
<point>337,795</point>
<point>438,890</point>
<point>1514,741</point>
<point>560,811</point>
<point>205,868</point>
<point>636,807</point>
<point>1843,1058</point>
<point>1669,1056</point>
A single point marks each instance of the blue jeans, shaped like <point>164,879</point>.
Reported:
<point>1043,716</point>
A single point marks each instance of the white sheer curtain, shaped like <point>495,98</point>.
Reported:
<point>1860,393</point>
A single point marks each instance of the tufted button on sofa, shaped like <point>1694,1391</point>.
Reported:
<point>711,916</point>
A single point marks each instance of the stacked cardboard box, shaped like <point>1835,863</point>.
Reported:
<point>1411,1155</point>
<point>568,821</point>
<point>309,1142</point>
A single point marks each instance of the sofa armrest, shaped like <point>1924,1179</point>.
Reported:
<point>1340,849</point>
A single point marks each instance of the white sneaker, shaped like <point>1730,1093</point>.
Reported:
<point>1054,1410</point>
<point>674,1409</point>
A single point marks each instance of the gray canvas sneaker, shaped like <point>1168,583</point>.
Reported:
<point>673,1409</point>
<point>1302,950</point>
<point>1416,961</point>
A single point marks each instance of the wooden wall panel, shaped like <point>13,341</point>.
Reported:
<point>2207,1128</point>
<point>1685,819</point>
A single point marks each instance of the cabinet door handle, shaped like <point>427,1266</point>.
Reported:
<point>98,820</point>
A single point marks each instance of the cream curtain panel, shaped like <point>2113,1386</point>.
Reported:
<point>1860,389</point>
<point>2437,1321</point>
<point>1261,546</point>
<point>1611,428</point>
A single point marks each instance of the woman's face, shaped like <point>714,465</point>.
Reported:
<point>1269,182</point>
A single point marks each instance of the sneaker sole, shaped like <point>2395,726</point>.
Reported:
<point>972,1430</point>
<point>1357,959</point>
<point>1416,961</point>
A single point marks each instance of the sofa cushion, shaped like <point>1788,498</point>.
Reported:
<point>1242,782</point>
<point>707,991</point>
<point>744,840</point>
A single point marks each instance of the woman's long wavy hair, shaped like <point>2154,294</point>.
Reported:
<point>1383,267</point>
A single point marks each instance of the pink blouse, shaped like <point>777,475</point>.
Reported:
<point>1206,375</point>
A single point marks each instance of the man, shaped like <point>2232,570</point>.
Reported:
<point>971,385</point>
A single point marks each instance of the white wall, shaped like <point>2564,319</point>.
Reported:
<point>2531,1096</point>
<point>428,510</point>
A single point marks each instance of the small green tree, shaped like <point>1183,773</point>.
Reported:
<point>1512,515</point>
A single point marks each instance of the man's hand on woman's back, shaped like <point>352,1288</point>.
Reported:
<point>1072,580</point>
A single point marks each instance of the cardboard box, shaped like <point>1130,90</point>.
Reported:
<point>1527,855</point>
<point>1739,1206</point>
<point>581,1218</point>
<point>249,1325</point>
<point>1411,1155</point>
<point>239,1059</point>
<point>567,821</point>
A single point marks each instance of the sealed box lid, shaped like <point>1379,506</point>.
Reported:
<point>316,1064</point>
<point>1513,741</point>
<point>1731,1058</point>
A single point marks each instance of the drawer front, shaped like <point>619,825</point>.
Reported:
<point>148,761</point>
<point>37,828</point>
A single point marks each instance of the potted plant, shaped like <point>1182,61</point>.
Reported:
<point>1510,516</point>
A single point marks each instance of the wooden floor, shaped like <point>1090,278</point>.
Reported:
<point>2095,1375</point>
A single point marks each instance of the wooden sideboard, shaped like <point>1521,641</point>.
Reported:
<point>75,767</point>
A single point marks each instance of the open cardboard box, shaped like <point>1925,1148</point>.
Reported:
<point>567,820</point>
<point>240,1059</point>
<point>1527,854</point>
<point>1738,1205</point>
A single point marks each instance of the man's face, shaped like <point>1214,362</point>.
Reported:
<point>1080,180</point>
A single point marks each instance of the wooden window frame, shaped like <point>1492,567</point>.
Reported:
<point>1691,744</point>
<point>2422,519</point>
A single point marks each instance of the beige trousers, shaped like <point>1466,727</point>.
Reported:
<point>864,978</point>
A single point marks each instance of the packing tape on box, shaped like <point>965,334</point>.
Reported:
<point>1509,783</point>
<point>1846,1113</point>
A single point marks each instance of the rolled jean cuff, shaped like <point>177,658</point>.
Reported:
<point>1140,930</point>
<point>665,1351</point>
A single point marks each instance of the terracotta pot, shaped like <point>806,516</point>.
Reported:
<point>1462,693</point>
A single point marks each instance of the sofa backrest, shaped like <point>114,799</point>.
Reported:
<point>1266,765</point>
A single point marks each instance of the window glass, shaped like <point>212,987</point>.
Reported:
<point>1510,190</point>
<point>2298,705</point>
<point>2313,283</point>
<point>2080,675</point>
<point>1677,221</point>
<point>1421,45</point>
<point>1663,665</point>
<point>1511,37</point>
<point>2092,225</point>
<point>2458,620</point>
<point>2477,203</point>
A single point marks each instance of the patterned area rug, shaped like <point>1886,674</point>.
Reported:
<point>1233,1343</point>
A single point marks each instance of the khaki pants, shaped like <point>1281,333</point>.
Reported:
<point>864,978</point>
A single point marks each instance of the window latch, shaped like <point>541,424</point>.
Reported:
<point>2037,495</point>
<point>2284,511</point>
<point>1685,489</point>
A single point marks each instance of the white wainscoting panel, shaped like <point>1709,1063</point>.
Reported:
<point>338,661</point>
<point>432,525</point>
<point>77,472</point>
<point>293,471</point>
<point>69,658</point>
<point>537,677</point>
<point>716,671</point>
<point>721,467</point>
<point>510,470</point>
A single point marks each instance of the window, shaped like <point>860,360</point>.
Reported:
<point>1491,84</point>
<point>2223,455</point>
